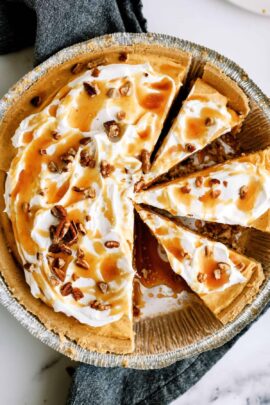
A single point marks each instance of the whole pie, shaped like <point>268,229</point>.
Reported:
<point>88,152</point>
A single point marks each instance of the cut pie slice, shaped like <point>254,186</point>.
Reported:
<point>236,192</point>
<point>214,106</point>
<point>225,280</point>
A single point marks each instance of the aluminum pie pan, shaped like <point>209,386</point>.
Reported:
<point>137,361</point>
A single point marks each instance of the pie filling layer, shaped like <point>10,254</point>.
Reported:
<point>80,167</point>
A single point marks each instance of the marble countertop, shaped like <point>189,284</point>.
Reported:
<point>33,374</point>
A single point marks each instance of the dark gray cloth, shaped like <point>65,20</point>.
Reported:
<point>53,25</point>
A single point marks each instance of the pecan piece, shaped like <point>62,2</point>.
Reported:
<point>52,230</point>
<point>214,181</point>
<point>111,244</point>
<point>123,57</point>
<point>103,287</point>
<point>72,234</point>
<point>59,212</point>
<point>29,266</point>
<point>201,277</point>
<point>61,230</point>
<point>85,140</point>
<point>243,192</point>
<point>189,147</point>
<point>59,273</point>
<point>80,253</point>
<point>185,189</point>
<point>77,68</point>
<point>89,193</point>
<point>82,263</point>
<point>125,89</point>
<point>80,228</point>
<point>87,159</point>
<point>199,181</point>
<point>209,121</point>
<point>106,168</point>
<point>225,183</point>
<point>120,115</point>
<point>66,289</point>
<point>78,189</point>
<point>52,167</point>
<point>90,89</point>
<point>145,159</point>
<point>95,72</point>
<point>58,262</point>
<point>56,136</point>
<point>99,306</point>
<point>42,152</point>
<point>36,101</point>
<point>77,294</point>
<point>112,129</point>
<point>112,92</point>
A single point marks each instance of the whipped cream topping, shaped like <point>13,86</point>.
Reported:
<point>206,266</point>
<point>202,118</point>
<point>81,152</point>
<point>231,193</point>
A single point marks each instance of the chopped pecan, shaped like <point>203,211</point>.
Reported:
<point>201,277</point>
<point>66,289</point>
<point>72,235</point>
<point>88,218</point>
<point>89,193</point>
<point>59,273</point>
<point>206,250</point>
<point>99,306</point>
<point>77,294</point>
<point>214,181</point>
<point>39,256</point>
<point>185,189</point>
<point>58,262</point>
<point>85,140</point>
<point>209,121</point>
<point>82,263</point>
<point>59,212</point>
<point>53,167</point>
<point>90,89</point>
<point>52,230</point>
<point>111,244</point>
<point>80,253</point>
<point>112,92</point>
<point>61,230</point>
<point>125,89</point>
<point>145,158</point>
<point>112,129</point>
<point>60,248</point>
<point>189,147</point>
<point>199,181</point>
<point>78,189</point>
<point>103,287</point>
<point>225,183</point>
<point>123,57</point>
<point>95,72</point>
<point>87,159</point>
<point>29,266</point>
<point>243,192</point>
<point>80,228</point>
<point>42,152</point>
<point>120,115</point>
<point>77,68</point>
<point>36,101</point>
<point>106,168</point>
<point>56,136</point>
<point>215,193</point>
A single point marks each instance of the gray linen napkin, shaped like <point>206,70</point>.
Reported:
<point>53,25</point>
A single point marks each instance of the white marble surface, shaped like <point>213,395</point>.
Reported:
<point>33,374</point>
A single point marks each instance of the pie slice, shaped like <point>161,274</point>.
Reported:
<point>236,192</point>
<point>67,195</point>
<point>214,106</point>
<point>225,280</point>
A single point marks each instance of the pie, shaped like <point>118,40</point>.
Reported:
<point>79,152</point>
<point>236,192</point>
<point>225,280</point>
